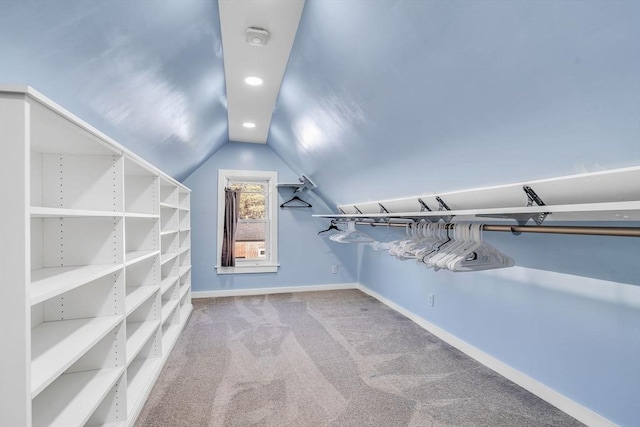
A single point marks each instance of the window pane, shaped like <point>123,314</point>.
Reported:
<point>251,241</point>
<point>252,200</point>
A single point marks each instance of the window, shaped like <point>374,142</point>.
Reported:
<point>257,232</point>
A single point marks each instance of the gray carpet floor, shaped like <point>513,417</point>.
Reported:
<point>333,358</point>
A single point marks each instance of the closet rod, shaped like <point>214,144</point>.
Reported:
<point>543,229</point>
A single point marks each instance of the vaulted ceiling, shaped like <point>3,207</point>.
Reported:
<point>404,96</point>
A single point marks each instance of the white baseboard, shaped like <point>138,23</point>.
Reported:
<point>265,291</point>
<point>547,394</point>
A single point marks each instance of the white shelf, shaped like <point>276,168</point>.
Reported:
<point>43,212</point>
<point>169,337</point>
<point>168,308</point>
<point>137,295</point>
<point>184,270</point>
<point>141,215</point>
<point>168,206</point>
<point>52,281</point>
<point>57,345</point>
<point>183,291</point>
<point>303,183</point>
<point>144,370</point>
<point>72,399</point>
<point>165,258</point>
<point>185,312</point>
<point>609,211</point>
<point>89,201</point>
<point>167,283</point>
<point>133,257</point>
<point>138,333</point>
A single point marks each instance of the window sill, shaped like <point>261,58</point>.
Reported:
<point>248,269</point>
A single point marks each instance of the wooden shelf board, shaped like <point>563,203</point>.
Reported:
<point>49,282</point>
<point>167,283</point>
<point>143,371</point>
<point>168,308</point>
<point>165,258</point>
<point>57,345</point>
<point>72,399</point>
<point>138,333</point>
<point>137,295</point>
<point>133,257</point>
<point>44,212</point>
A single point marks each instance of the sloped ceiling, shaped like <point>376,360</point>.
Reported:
<point>388,99</point>
<point>381,98</point>
<point>147,73</point>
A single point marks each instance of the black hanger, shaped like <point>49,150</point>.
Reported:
<point>295,199</point>
<point>331,227</point>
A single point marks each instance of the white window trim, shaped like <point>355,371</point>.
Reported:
<point>260,266</point>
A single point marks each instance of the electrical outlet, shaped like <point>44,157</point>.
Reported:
<point>334,269</point>
<point>432,299</point>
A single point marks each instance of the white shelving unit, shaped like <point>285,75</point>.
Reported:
<point>96,269</point>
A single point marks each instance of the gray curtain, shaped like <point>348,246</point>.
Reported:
<point>230,224</point>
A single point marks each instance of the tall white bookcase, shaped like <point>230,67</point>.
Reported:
<point>95,269</point>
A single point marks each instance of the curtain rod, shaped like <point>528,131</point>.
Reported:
<point>542,229</point>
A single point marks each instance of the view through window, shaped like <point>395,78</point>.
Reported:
<point>252,231</point>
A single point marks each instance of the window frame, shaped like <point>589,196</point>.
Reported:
<point>270,263</point>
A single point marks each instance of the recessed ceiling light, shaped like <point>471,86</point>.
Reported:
<point>253,81</point>
<point>249,125</point>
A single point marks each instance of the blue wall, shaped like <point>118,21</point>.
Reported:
<point>393,99</point>
<point>575,329</point>
<point>148,74</point>
<point>305,259</point>
<point>387,99</point>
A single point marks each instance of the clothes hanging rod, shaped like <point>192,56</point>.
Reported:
<point>542,229</point>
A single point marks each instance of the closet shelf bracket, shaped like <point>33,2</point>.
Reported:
<point>442,206</point>
<point>522,219</point>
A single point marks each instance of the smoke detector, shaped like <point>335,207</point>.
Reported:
<point>256,36</point>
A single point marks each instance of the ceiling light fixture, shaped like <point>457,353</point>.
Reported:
<point>249,125</point>
<point>253,81</point>
<point>256,36</point>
